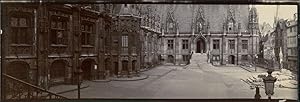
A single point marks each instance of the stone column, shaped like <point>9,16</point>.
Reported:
<point>120,67</point>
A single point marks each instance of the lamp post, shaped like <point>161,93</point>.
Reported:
<point>78,73</point>
<point>255,63</point>
<point>269,84</point>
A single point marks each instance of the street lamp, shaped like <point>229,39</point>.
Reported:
<point>78,74</point>
<point>269,84</point>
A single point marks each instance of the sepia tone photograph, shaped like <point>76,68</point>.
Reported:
<point>149,51</point>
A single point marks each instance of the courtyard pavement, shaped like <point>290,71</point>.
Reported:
<point>199,81</point>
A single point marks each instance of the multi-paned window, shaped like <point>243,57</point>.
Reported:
<point>244,57</point>
<point>185,44</point>
<point>58,30</point>
<point>231,44</point>
<point>170,44</point>
<point>244,44</point>
<point>86,34</point>
<point>216,44</point>
<point>125,43</point>
<point>21,30</point>
<point>185,57</point>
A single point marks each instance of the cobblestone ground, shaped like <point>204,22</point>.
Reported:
<point>181,82</point>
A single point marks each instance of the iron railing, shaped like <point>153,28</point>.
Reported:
<point>16,89</point>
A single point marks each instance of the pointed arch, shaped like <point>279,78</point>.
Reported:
<point>200,44</point>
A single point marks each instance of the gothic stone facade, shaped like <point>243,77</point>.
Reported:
<point>292,52</point>
<point>227,33</point>
<point>47,44</point>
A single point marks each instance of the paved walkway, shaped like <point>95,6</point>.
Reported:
<point>67,88</point>
<point>195,81</point>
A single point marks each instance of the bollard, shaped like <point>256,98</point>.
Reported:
<point>257,95</point>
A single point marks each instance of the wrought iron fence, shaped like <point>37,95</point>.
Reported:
<point>16,89</point>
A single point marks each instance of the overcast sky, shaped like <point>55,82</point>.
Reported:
<point>267,13</point>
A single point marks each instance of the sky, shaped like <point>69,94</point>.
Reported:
<point>266,13</point>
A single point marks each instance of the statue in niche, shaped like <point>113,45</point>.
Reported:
<point>200,27</point>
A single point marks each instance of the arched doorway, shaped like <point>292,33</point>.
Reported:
<point>170,59</point>
<point>125,66</point>
<point>19,70</point>
<point>58,72</point>
<point>134,65</point>
<point>116,68</point>
<point>231,59</point>
<point>200,46</point>
<point>87,66</point>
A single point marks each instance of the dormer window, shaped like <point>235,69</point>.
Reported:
<point>199,26</point>
<point>230,26</point>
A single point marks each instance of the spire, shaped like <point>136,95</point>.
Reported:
<point>276,17</point>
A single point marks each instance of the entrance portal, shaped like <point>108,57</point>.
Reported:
<point>201,47</point>
<point>116,70</point>
<point>231,59</point>
<point>19,70</point>
<point>134,65</point>
<point>125,66</point>
<point>58,72</point>
<point>87,69</point>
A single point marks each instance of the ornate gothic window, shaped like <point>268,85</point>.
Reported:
<point>58,31</point>
<point>21,30</point>
<point>87,34</point>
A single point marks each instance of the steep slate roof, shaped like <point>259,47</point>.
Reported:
<point>214,14</point>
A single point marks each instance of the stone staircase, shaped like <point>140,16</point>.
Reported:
<point>197,59</point>
<point>16,89</point>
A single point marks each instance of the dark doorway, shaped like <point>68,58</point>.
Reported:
<point>116,64</point>
<point>57,72</point>
<point>134,65</point>
<point>19,70</point>
<point>170,59</point>
<point>107,64</point>
<point>125,66</point>
<point>87,69</point>
<point>231,59</point>
<point>201,47</point>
